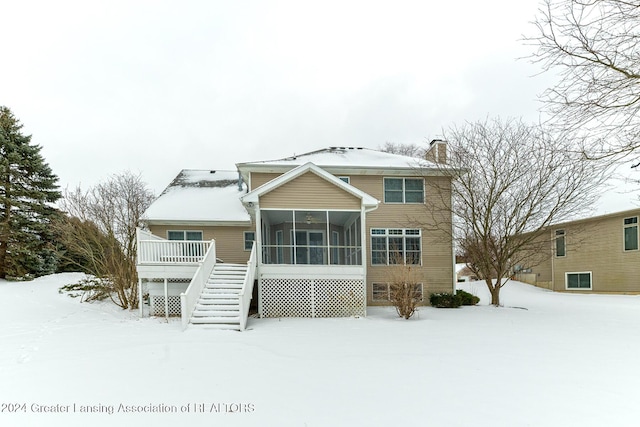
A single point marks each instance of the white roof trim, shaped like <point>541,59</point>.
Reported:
<point>254,196</point>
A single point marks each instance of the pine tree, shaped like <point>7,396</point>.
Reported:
<point>28,188</point>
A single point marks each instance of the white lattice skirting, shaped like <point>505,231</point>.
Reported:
<point>312,297</point>
<point>157,305</point>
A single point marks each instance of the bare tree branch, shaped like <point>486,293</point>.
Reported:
<point>594,45</point>
<point>517,180</point>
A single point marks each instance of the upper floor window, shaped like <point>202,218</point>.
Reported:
<point>345,179</point>
<point>631,234</point>
<point>403,190</point>
<point>395,246</point>
<point>184,235</point>
<point>560,243</point>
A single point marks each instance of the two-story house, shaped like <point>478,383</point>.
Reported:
<point>317,232</point>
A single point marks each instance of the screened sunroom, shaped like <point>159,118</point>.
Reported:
<point>311,237</point>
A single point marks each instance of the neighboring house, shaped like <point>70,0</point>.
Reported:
<point>599,254</point>
<point>327,225</point>
<point>464,273</point>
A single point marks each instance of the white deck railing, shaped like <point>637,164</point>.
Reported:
<point>247,288</point>
<point>189,298</point>
<point>151,251</point>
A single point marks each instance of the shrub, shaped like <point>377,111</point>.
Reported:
<point>445,300</point>
<point>89,290</point>
<point>466,298</point>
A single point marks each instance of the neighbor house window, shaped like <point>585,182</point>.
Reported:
<point>382,291</point>
<point>344,178</point>
<point>631,234</point>
<point>403,190</point>
<point>560,243</point>
<point>249,238</point>
<point>184,235</point>
<point>395,246</point>
<point>578,280</point>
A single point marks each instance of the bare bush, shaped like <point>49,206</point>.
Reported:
<point>100,234</point>
<point>405,292</point>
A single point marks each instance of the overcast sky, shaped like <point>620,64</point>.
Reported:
<point>158,86</point>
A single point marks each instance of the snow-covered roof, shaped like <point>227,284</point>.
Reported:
<point>200,196</point>
<point>346,158</point>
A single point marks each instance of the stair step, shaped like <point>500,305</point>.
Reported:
<point>217,313</point>
<point>226,282</point>
<point>223,326</point>
<point>230,267</point>
<point>223,286</point>
<point>218,301</point>
<point>217,319</point>
<point>217,307</point>
<point>232,293</point>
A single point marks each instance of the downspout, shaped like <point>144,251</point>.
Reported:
<point>553,265</point>
<point>363,241</point>
<point>258,218</point>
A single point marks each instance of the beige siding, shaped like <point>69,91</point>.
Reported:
<point>258,179</point>
<point>309,191</point>
<point>229,240</point>
<point>597,246</point>
<point>436,272</point>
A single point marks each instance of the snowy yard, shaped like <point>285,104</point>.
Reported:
<point>565,360</point>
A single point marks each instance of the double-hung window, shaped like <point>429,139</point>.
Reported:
<point>631,234</point>
<point>403,190</point>
<point>396,246</point>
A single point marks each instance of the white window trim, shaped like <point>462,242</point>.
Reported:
<point>184,234</point>
<point>624,230</point>
<point>555,242</point>
<point>387,235</point>
<point>566,280</point>
<point>403,202</point>
<point>244,240</point>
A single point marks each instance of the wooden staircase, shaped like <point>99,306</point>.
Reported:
<point>219,305</point>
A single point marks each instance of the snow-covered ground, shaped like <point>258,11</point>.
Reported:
<point>545,359</point>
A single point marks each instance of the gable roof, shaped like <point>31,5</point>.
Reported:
<point>200,197</point>
<point>254,196</point>
<point>346,160</point>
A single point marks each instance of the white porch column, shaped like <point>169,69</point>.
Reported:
<point>363,245</point>
<point>166,299</point>
<point>140,297</point>
<point>258,217</point>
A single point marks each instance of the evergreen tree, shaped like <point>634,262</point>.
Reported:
<point>28,188</point>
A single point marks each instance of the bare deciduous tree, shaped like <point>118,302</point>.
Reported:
<point>511,180</point>
<point>411,150</point>
<point>103,233</point>
<point>595,47</point>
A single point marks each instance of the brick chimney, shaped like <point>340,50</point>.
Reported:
<point>437,151</point>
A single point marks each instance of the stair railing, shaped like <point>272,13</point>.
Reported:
<point>244,297</point>
<point>189,297</point>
